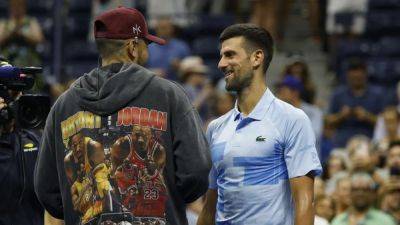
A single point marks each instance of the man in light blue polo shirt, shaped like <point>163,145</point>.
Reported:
<point>263,150</point>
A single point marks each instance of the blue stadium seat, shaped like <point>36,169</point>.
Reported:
<point>80,50</point>
<point>383,21</point>
<point>3,9</point>
<point>80,6</point>
<point>347,48</point>
<point>206,46</point>
<point>389,46</point>
<point>75,69</point>
<point>78,26</point>
<point>40,7</point>
<point>384,70</point>
<point>207,25</point>
<point>376,4</point>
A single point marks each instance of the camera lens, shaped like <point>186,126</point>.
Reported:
<point>30,114</point>
<point>32,111</point>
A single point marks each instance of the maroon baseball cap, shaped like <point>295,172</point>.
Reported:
<point>123,23</point>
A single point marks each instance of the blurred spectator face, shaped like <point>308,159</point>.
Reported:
<point>356,78</point>
<point>299,70</point>
<point>319,188</point>
<point>17,8</point>
<point>342,192</point>
<point>392,200</point>
<point>361,194</point>
<point>335,165</point>
<point>324,208</point>
<point>193,71</point>
<point>197,79</point>
<point>393,160</point>
<point>165,28</point>
<point>361,160</point>
<point>225,103</point>
<point>391,121</point>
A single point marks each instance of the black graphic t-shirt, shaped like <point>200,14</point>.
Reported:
<point>131,150</point>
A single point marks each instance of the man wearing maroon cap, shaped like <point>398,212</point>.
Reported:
<point>122,144</point>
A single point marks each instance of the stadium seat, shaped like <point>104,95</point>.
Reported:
<point>80,6</point>
<point>80,50</point>
<point>78,26</point>
<point>389,46</point>
<point>40,8</point>
<point>376,4</point>
<point>347,48</point>
<point>75,69</point>
<point>206,46</point>
<point>384,70</point>
<point>380,21</point>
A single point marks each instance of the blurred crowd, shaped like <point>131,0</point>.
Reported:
<point>357,128</point>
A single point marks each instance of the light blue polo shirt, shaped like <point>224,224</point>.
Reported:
<point>254,158</point>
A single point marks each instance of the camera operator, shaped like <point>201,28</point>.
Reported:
<point>18,152</point>
<point>21,117</point>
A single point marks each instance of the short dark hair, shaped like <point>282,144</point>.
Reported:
<point>109,47</point>
<point>394,144</point>
<point>254,35</point>
<point>356,64</point>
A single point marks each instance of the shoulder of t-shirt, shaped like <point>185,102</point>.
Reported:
<point>217,123</point>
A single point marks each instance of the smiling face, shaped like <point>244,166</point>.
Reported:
<point>235,63</point>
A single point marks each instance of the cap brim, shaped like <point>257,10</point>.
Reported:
<point>155,39</point>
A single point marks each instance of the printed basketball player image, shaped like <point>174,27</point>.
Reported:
<point>138,160</point>
<point>88,174</point>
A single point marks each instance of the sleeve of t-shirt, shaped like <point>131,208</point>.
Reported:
<point>300,153</point>
<point>212,178</point>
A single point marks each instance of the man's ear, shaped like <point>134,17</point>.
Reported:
<point>257,58</point>
<point>132,50</point>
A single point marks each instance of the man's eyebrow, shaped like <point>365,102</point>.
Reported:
<point>229,51</point>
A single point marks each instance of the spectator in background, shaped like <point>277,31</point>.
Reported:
<point>391,199</point>
<point>392,168</point>
<point>361,210</point>
<point>100,6</point>
<point>360,154</point>
<point>319,187</point>
<point>299,69</point>
<point>337,162</point>
<point>387,128</point>
<point>341,195</point>
<point>324,207</point>
<point>20,34</point>
<point>354,107</point>
<point>165,60</point>
<point>289,91</point>
<point>193,75</point>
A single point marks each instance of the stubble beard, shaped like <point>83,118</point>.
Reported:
<point>239,82</point>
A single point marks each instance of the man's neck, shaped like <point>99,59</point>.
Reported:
<point>358,213</point>
<point>112,61</point>
<point>249,97</point>
<point>297,102</point>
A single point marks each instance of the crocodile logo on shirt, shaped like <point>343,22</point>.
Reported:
<point>260,138</point>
